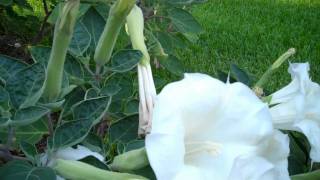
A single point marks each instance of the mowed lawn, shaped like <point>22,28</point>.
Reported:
<point>253,33</point>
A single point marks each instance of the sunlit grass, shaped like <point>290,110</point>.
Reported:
<point>253,33</point>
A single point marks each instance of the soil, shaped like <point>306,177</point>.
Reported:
<point>14,47</point>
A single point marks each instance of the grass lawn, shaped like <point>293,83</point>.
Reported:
<point>253,33</point>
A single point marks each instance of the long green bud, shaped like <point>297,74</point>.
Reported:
<point>131,160</point>
<point>81,171</point>
<point>62,36</point>
<point>135,27</point>
<point>116,19</point>
<point>265,77</point>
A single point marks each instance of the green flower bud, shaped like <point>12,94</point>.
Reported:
<point>117,15</point>
<point>135,26</point>
<point>81,171</point>
<point>131,160</point>
<point>62,36</point>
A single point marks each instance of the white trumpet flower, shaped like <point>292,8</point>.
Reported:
<point>147,90</point>
<point>204,129</point>
<point>297,107</point>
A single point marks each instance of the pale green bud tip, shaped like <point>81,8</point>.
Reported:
<point>131,160</point>
<point>78,170</point>
<point>283,58</point>
<point>69,15</point>
<point>122,7</point>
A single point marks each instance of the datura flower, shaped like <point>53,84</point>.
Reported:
<point>147,90</point>
<point>203,129</point>
<point>297,107</point>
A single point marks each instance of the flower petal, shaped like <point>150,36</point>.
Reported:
<point>75,154</point>
<point>203,109</point>
<point>276,151</point>
<point>252,168</point>
<point>166,154</point>
<point>300,80</point>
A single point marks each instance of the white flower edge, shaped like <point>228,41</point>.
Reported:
<point>69,153</point>
<point>204,109</point>
<point>297,107</point>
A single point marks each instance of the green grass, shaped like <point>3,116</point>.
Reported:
<point>253,33</point>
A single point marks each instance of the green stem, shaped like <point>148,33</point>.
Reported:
<point>62,36</point>
<point>265,77</point>
<point>116,19</point>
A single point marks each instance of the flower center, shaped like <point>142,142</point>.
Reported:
<point>195,147</point>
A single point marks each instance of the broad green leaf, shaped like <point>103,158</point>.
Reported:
<point>94,143</point>
<point>4,100</point>
<point>23,4</point>
<point>120,86</point>
<point>184,22</point>
<point>91,109</point>
<point>74,68</point>
<point>173,65</point>
<point>103,10</point>
<point>240,75</point>
<point>10,66</point>
<point>315,175</point>
<point>58,8</point>
<point>22,170</point>
<point>4,121</point>
<point>125,60</point>
<point>5,2</point>
<point>124,130</point>
<point>74,97</point>
<point>53,106</point>
<point>40,54</point>
<point>124,81</point>
<point>28,115</point>
<point>192,37</point>
<point>131,107</point>
<point>110,89</point>
<point>26,86</point>
<point>86,114</point>
<point>29,150</point>
<point>166,41</point>
<point>298,157</point>
<point>224,77</point>
<point>95,25</point>
<point>31,133</point>
<point>94,162</point>
<point>80,41</point>
<point>159,81</point>
<point>91,93</point>
<point>135,144</point>
<point>70,133</point>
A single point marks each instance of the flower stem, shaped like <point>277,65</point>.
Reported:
<point>265,77</point>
